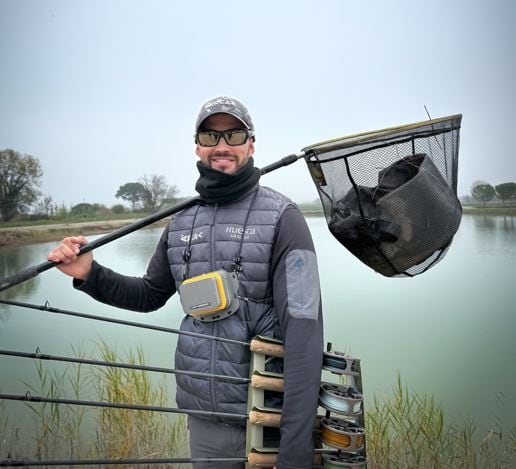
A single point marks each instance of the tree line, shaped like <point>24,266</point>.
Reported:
<point>20,181</point>
<point>484,192</point>
<point>20,194</point>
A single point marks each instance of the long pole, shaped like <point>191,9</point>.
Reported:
<point>120,405</point>
<point>127,461</point>
<point>264,345</point>
<point>255,459</point>
<point>153,327</point>
<point>128,366</point>
<point>35,270</point>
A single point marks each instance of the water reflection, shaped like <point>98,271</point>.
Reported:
<point>142,244</point>
<point>493,234</point>
<point>12,261</point>
<point>484,222</point>
<point>493,222</point>
<point>443,316</point>
<point>508,223</point>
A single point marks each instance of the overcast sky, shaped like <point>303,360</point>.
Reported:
<point>106,91</point>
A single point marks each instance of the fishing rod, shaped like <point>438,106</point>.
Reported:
<point>255,416</point>
<point>86,361</point>
<point>28,397</point>
<point>95,462</point>
<point>35,270</point>
<point>254,459</point>
<point>50,309</point>
<point>334,361</point>
<point>268,345</point>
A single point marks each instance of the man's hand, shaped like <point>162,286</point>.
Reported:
<point>71,263</point>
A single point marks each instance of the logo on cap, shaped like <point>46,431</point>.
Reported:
<point>225,105</point>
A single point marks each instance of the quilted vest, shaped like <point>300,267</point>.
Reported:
<point>215,239</point>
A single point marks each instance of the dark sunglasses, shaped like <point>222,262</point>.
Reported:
<point>233,137</point>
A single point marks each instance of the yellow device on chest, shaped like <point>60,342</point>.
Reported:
<point>211,296</point>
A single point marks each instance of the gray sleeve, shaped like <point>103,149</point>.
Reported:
<point>297,301</point>
<point>144,294</point>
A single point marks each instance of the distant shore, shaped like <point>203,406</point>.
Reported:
<point>507,211</point>
<point>42,233</point>
<point>34,233</point>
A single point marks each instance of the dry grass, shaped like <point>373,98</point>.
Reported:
<point>408,430</point>
<point>122,433</point>
<point>74,432</point>
<point>404,430</point>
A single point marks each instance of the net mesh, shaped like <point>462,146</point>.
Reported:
<point>390,197</point>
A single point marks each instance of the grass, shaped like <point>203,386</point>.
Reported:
<point>74,432</point>
<point>17,223</point>
<point>15,233</point>
<point>507,210</point>
<point>404,430</point>
<point>409,430</point>
<point>123,433</point>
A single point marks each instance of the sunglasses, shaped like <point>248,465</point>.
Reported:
<point>233,137</point>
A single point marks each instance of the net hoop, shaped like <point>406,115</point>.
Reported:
<point>364,137</point>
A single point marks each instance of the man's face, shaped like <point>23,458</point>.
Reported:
<point>223,157</point>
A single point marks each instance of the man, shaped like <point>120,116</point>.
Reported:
<point>262,238</point>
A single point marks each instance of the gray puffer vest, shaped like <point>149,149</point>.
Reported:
<point>215,241</point>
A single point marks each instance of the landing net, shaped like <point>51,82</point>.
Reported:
<point>390,196</point>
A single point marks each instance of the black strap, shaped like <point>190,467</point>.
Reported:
<point>187,253</point>
<point>237,260</point>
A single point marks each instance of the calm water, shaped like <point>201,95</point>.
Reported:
<point>450,332</point>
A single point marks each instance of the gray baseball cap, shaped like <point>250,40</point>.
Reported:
<point>225,105</point>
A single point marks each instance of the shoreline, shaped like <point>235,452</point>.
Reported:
<point>42,233</point>
<point>32,234</point>
<point>507,211</point>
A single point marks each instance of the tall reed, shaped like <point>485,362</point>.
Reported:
<point>74,432</point>
<point>404,430</point>
<point>122,433</point>
<point>408,430</point>
<point>57,430</point>
<point>10,442</point>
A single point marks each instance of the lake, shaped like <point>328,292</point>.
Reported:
<point>450,332</point>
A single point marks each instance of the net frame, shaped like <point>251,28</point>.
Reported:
<point>440,137</point>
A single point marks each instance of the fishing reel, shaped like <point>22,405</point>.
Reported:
<point>343,461</point>
<point>339,363</point>
<point>340,398</point>
<point>342,434</point>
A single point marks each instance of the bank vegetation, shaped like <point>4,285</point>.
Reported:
<point>404,429</point>
<point>90,219</point>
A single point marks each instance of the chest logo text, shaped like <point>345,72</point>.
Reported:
<point>195,236</point>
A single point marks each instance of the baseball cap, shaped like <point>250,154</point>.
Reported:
<point>225,105</point>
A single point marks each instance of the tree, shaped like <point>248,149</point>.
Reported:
<point>44,206</point>
<point>483,192</point>
<point>118,208</point>
<point>83,209</point>
<point>506,191</point>
<point>20,178</point>
<point>157,192</point>
<point>132,192</point>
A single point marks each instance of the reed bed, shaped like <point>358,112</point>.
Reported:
<point>409,430</point>
<point>404,429</point>
<point>62,431</point>
<point>122,433</point>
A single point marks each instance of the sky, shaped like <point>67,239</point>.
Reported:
<point>104,92</point>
